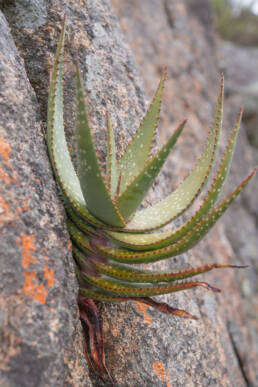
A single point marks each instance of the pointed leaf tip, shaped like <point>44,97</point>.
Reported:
<point>187,242</point>
<point>165,308</point>
<point>61,162</point>
<point>92,182</point>
<point>178,201</point>
<point>132,196</point>
<point>138,150</point>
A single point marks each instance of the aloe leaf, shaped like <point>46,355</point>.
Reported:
<point>80,259</point>
<point>143,290</point>
<point>65,174</point>
<point>137,152</point>
<point>78,237</point>
<point>111,163</point>
<point>163,307</point>
<point>128,274</point>
<point>79,222</point>
<point>160,306</point>
<point>99,296</point>
<point>135,192</point>
<point>184,244</point>
<point>93,186</point>
<point>179,200</point>
<point>162,239</point>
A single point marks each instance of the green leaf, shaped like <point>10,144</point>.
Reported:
<point>178,201</point>
<point>78,237</point>
<point>129,274</point>
<point>162,239</point>
<point>184,244</point>
<point>79,222</point>
<point>111,163</point>
<point>121,289</point>
<point>65,174</point>
<point>137,152</point>
<point>99,296</point>
<point>93,186</point>
<point>135,192</point>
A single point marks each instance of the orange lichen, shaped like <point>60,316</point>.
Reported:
<point>37,291</point>
<point>143,309</point>
<point>27,244</point>
<point>159,370</point>
<point>168,381</point>
<point>5,150</point>
<point>32,286</point>
<point>49,275</point>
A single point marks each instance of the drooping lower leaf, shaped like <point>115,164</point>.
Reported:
<point>97,295</point>
<point>163,307</point>
<point>141,276</point>
<point>130,290</point>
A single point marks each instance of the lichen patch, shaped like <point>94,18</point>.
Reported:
<point>27,242</point>
<point>31,287</point>
<point>141,308</point>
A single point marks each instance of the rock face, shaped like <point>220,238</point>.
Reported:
<point>240,64</point>
<point>39,319</point>
<point>41,332</point>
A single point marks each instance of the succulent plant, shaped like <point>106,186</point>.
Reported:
<point>108,233</point>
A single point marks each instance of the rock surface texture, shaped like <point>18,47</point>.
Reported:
<point>40,330</point>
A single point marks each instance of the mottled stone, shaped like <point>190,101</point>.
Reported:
<point>240,64</point>
<point>39,317</point>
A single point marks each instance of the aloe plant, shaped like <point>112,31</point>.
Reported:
<point>108,232</point>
